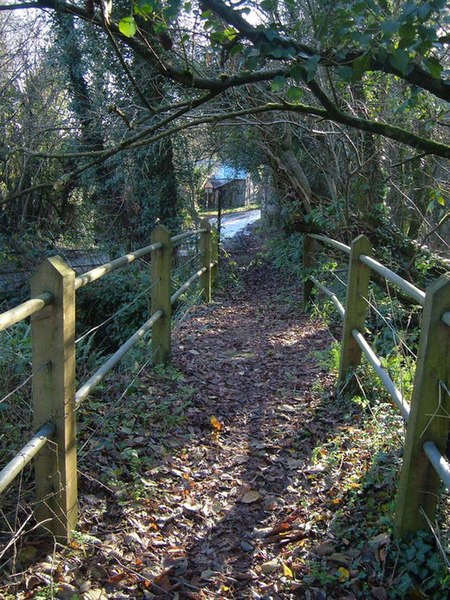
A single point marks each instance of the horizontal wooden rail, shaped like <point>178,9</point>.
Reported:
<point>53,336</point>
<point>439,462</point>
<point>333,243</point>
<point>393,392</point>
<point>174,297</point>
<point>24,456</point>
<point>334,299</point>
<point>102,270</point>
<point>24,310</point>
<point>411,290</point>
<point>185,235</point>
<point>424,465</point>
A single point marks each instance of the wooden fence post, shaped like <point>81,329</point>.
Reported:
<point>429,415</point>
<point>308,264</point>
<point>205,249</point>
<point>355,312</point>
<point>53,341</point>
<point>215,251</point>
<point>161,281</point>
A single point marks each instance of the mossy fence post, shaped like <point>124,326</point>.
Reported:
<point>161,265</point>
<point>429,415</point>
<point>53,341</point>
<point>205,249</point>
<point>356,307</point>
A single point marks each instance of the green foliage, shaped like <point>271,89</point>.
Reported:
<point>15,368</point>
<point>286,253</point>
<point>418,568</point>
<point>408,34</point>
<point>116,292</point>
<point>364,515</point>
<point>128,26</point>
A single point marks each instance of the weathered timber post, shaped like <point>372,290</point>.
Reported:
<point>429,415</point>
<point>355,311</point>
<point>161,264</point>
<point>205,249</point>
<point>308,264</point>
<point>215,251</point>
<point>53,341</point>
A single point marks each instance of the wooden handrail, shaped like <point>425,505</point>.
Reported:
<point>25,455</point>
<point>123,261</point>
<point>424,465</point>
<point>185,235</point>
<point>113,360</point>
<point>411,290</point>
<point>439,462</point>
<point>26,309</point>
<point>334,299</point>
<point>53,336</point>
<point>334,243</point>
<point>373,359</point>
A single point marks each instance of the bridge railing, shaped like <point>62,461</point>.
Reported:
<point>427,417</point>
<point>54,395</point>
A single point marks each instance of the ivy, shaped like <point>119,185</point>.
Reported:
<point>278,83</point>
<point>400,60</point>
<point>294,94</point>
<point>311,67</point>
<point>127,26</point>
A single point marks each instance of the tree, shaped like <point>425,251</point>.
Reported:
<point>364,66</point>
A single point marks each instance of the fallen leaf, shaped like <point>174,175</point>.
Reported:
<point>250,497</point>
<point>287,571</point>
<point>95,594</point>
<point>239,459</point>
<point>382,539</point>
<point>208,575</point>
<point>216,424</point>
<point>27,554</point>
<point>324,549</point>
<point>162,584</point>
<point>270,567</point>
<point>344,574</point>
<point>340,558</point>
<point>116,577</point>
<point>246,547</point>
<point>378,593</point>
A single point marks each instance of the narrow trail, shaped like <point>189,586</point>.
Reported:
<point>251,359</point>
<point>210,479</point>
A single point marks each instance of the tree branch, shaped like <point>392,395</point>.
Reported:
<point>416,76</point>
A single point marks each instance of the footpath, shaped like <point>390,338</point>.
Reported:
<point>227,475</point>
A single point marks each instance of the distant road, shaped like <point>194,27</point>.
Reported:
<point>234,223</point>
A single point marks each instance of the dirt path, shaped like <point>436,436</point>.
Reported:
<point>209,480</point>
<point>250,359</point>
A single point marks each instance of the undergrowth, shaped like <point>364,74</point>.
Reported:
<point>108,313</point>
<point>365,559</point>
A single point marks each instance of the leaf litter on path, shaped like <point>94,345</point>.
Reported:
<point>215,479</point>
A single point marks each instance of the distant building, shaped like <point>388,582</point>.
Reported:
<point>233,187</point>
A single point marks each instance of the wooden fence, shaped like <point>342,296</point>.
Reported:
<point>55,399</point>
<point>427,417</point>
